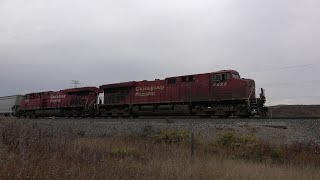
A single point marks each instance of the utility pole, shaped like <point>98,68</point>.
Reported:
<point>75,83</point>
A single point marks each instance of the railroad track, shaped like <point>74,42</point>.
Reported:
<point>183,118</point>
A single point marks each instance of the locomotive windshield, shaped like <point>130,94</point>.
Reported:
<point>236,76</point>
<point>221,77</point>
<point>225,76</point>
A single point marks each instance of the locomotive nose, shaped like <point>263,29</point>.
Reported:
<point>250,82</point>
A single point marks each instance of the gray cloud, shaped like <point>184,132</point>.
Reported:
<point>44,44</point>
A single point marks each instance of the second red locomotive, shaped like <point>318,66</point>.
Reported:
<point>76,102</point>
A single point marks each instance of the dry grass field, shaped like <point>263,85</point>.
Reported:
<point>30,152</point>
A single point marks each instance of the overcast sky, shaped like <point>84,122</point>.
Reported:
<point>44,44</point>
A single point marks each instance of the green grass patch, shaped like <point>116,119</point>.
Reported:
<point>172,136</point>
<point>124,152</point>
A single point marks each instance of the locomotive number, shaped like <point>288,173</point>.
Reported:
<point>220,84</point>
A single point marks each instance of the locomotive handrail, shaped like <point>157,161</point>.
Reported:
<point>248,99</point>
<point>86,103</point>
<point>91,103</point>
<point>250,93</point>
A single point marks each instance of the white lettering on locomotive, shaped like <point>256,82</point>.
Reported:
<point>220,84</point>
<point>150,88</point>
<point>145,94</point>
<point>141,91</point>
<point>61,96</point>
<point>57,98</point>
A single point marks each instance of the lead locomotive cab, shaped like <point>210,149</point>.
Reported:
<point>222,76</point>
<point>227,85</point>
<point>235,96</point>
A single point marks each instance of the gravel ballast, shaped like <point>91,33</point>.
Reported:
<point>284,131</point>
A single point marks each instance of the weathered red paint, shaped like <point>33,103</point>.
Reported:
<point>76,97</point>
<point>221,93</point>
<point>191,88</point>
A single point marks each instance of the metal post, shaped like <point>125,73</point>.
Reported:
<point>192,144</point>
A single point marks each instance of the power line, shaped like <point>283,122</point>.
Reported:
<point>294,97</point>
<point>282,68</point>
<point>290,83</point>
<point>286,83</point>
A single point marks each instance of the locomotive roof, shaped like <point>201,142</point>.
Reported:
<point>118,85</point>
<point>222,71</point>
<point>82,89</point>
<point>39,92</point>
<point>132,83</point>
<point>225,71</point>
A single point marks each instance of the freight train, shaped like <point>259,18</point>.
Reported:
<point>222,93</point>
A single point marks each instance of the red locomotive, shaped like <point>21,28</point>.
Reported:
<point>221,93</point>
<point>68,103</point>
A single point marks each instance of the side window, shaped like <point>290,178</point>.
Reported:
<point>184,79</point>
<point>189,78</point>
<point>171,80</point>
<point>221,77</point>
<point>235,76</point>
<point>224,77</point>
<point>217,77</point>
